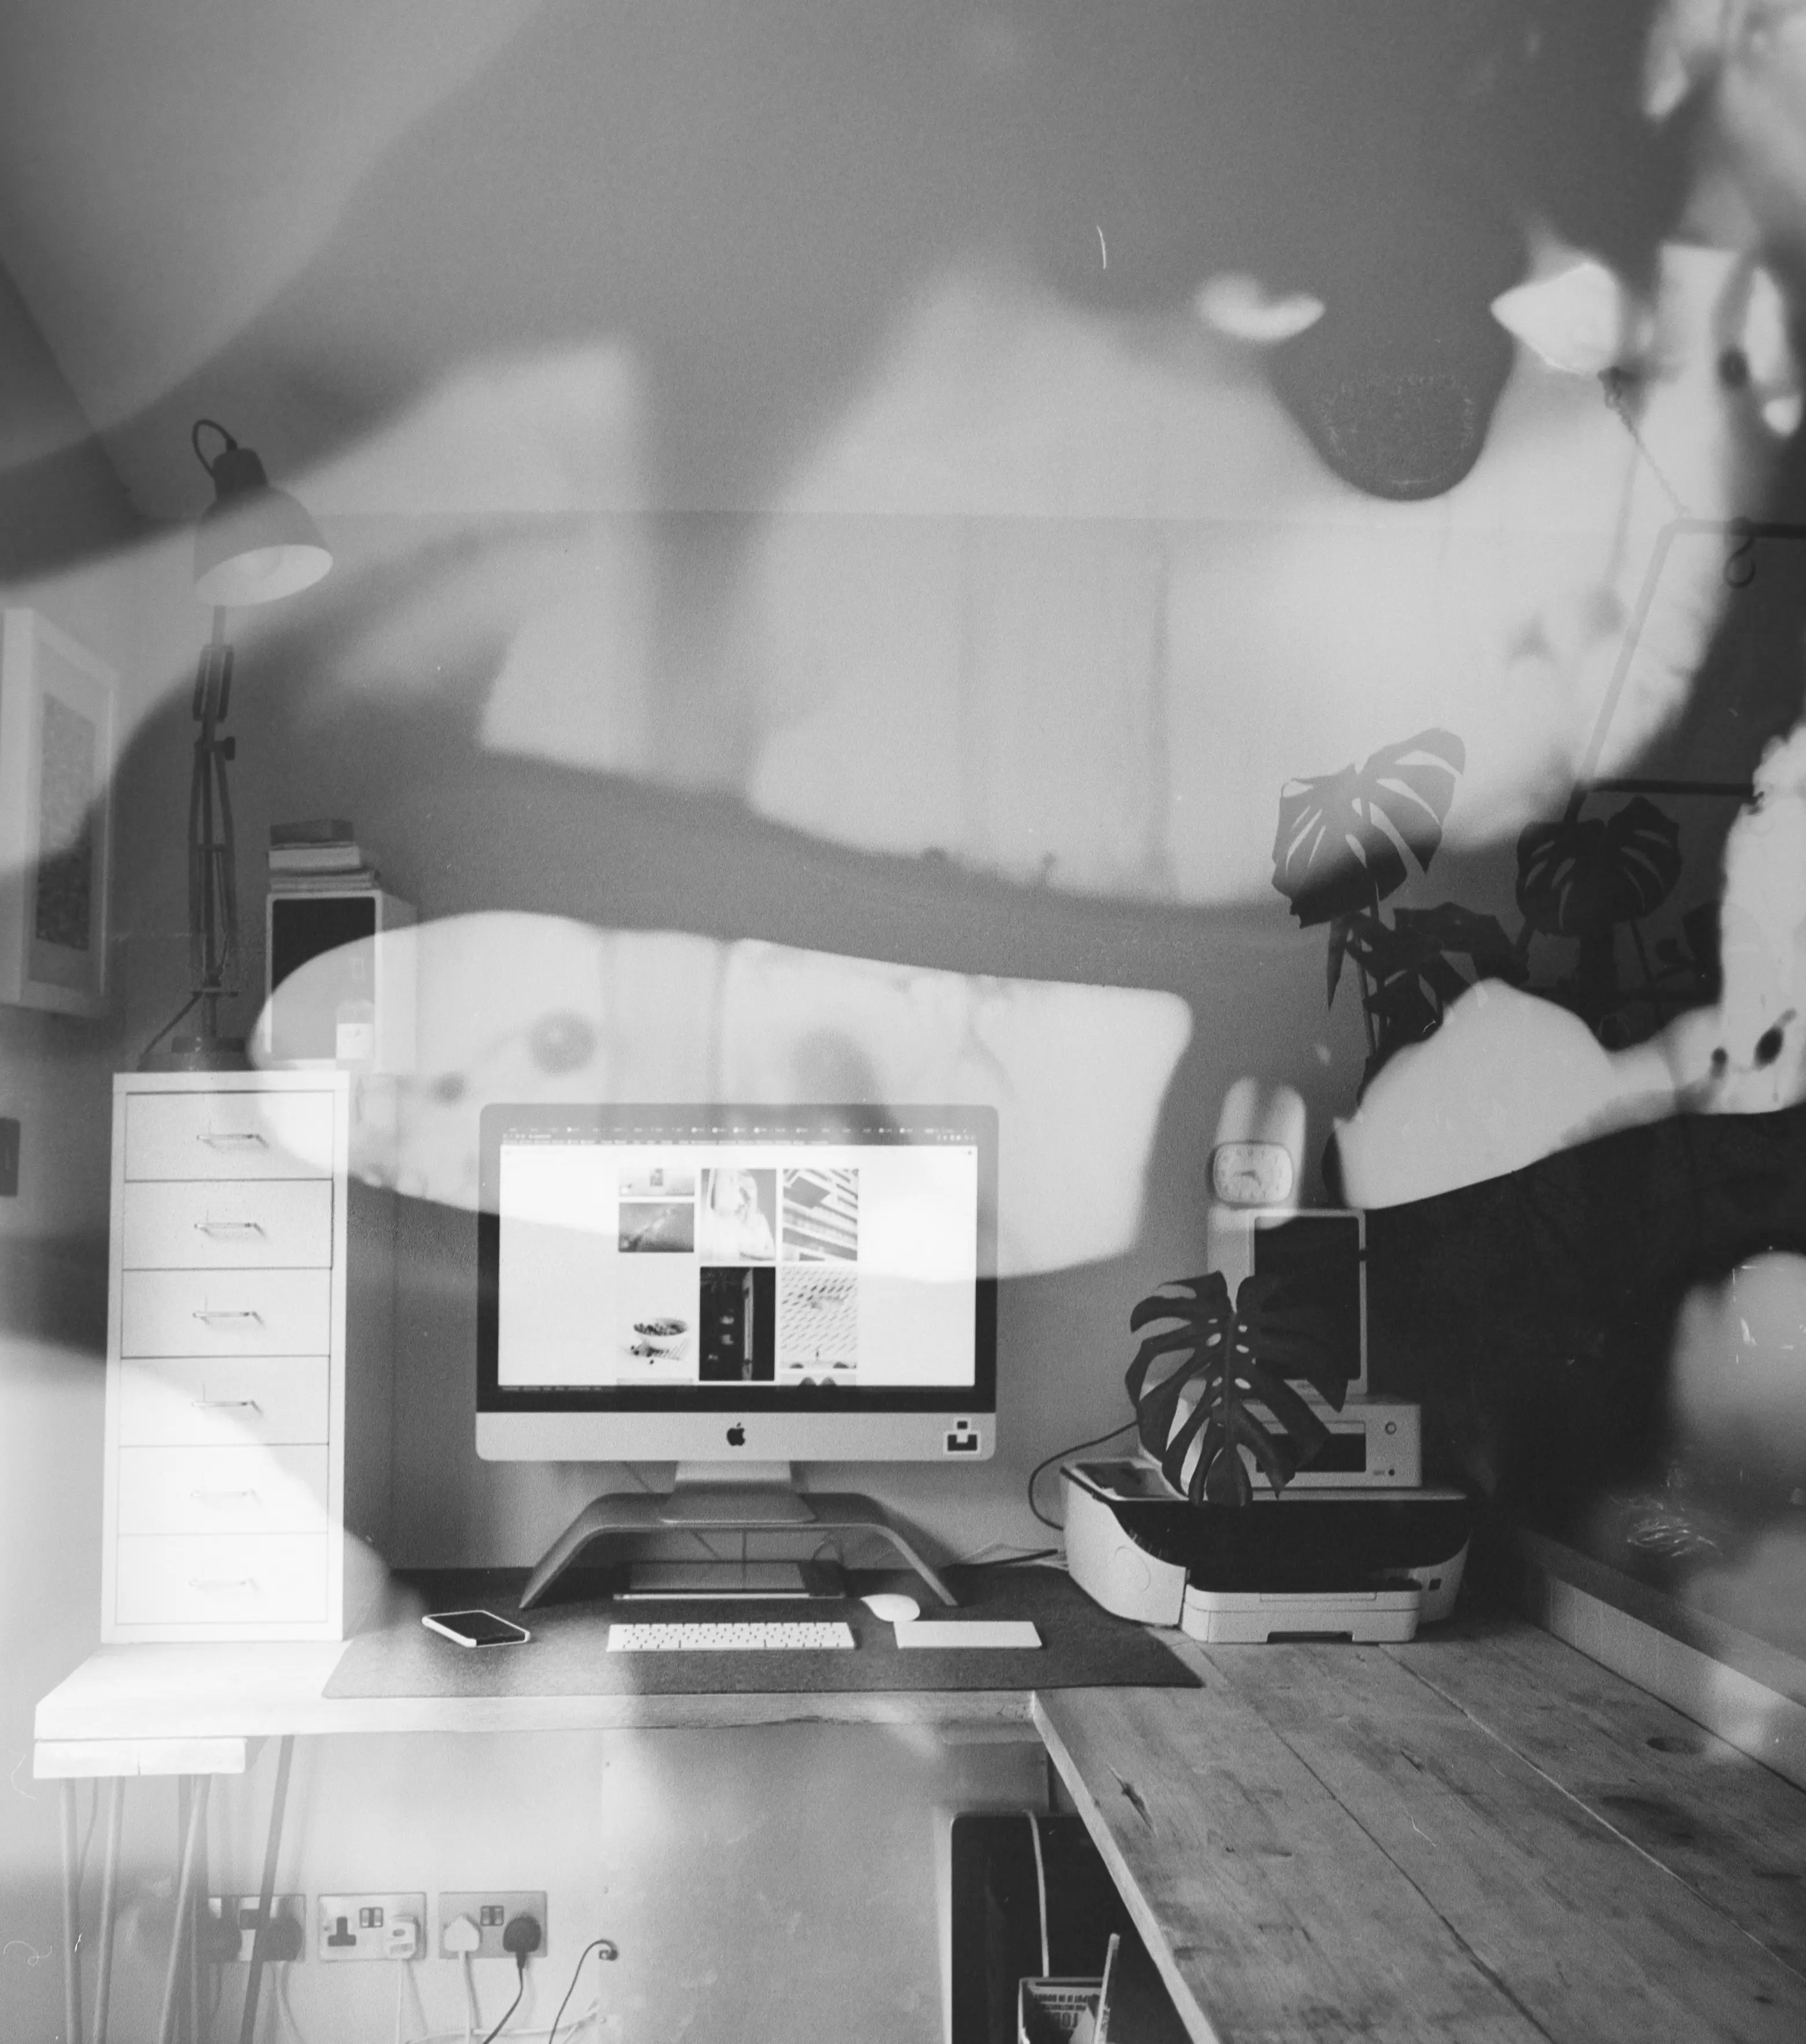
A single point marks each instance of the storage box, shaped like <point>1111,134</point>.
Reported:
<point>1066,2011</point>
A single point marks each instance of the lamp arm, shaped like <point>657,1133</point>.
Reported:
<point>213,881</point>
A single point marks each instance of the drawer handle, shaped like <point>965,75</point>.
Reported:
<point>224,1585</point>
<point>223,1138</point>
<point>223,1496</point>
<point>229,1227</point>
<point>226,1405</point>
<point>227,1313</point>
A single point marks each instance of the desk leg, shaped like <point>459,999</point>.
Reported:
<point>265,1895</point>
<point>196,1994</point>
<point>184,1904</point>
<point>109,1906</point>
<point>71,1922</point>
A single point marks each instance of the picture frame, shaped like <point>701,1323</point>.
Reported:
<point>58,710</point>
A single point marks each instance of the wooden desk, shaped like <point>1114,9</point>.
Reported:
<point>1483,1835</point>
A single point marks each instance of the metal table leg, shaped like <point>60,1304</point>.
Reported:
<point>265,1895</point>
<point>109,1906</point>
<point>184,1904</point>
<point>196,1994</point>
<point>71,1922</point>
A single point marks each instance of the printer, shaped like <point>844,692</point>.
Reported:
<point>1365,1564</point>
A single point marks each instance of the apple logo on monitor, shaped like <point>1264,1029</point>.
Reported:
<point>736,1436</point>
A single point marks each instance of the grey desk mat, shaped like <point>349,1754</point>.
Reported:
<point>1083,1646</point>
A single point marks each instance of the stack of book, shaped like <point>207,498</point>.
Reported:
<point>319,856</point>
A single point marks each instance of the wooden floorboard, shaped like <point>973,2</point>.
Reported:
<point>1731,1829</point>
<point>1594,1939</point>
<point>1274,1916</point>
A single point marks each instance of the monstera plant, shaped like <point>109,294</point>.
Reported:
<point>1346,842</point>
<point>1585,878</point>
<point>1202,1376</point>
<point>1341,848</point>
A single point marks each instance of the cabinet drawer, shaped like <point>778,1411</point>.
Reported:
<point>223,1490</point>
<point>176,1223</point>
<point>225,1313</point>
<point>227,1402</point>
<point>229,1134</point>
<point>221,1579</point>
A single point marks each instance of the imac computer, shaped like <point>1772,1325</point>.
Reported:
<point>736,1290</point>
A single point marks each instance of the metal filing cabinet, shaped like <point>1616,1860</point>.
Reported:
<point>249,1324</point>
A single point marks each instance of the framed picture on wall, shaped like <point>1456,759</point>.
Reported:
<point>57,706</point>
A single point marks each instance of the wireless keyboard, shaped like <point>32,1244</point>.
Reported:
<point>739,1636</point>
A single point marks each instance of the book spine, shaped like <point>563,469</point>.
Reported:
<point>364,879</point>
<point>316,830</point>
<point>317,859</point>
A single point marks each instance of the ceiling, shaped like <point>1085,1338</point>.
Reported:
<point>309,221</point>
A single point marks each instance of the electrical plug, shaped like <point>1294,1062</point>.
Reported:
<point>283,1940</point>
<point>401,1938</point>
<point>460,1936</point>
<point>217,1938</point>
<point>522,1936</point>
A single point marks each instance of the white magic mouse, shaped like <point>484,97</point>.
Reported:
<point>892,1606</point>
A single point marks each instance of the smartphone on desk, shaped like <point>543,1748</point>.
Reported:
<point>476,1628</point>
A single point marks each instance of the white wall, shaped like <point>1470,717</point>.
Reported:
<point>783,1883</point>
<point>55,494</point>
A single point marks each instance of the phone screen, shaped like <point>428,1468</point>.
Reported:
<point>476,1628</point>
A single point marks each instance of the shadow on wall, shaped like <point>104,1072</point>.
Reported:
<point>519,1007</point>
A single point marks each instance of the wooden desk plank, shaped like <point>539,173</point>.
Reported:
<point>1272,1914</point>
<point>1732,1831</point>
<point>1593,1938</point>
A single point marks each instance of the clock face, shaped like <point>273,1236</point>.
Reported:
<point>1250,1174</point>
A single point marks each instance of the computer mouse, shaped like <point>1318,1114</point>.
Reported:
<point>892,1606</point>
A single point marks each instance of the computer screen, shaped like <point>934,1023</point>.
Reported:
<point>715,1282</point>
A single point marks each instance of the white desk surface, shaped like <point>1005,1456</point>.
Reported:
<point>201,1709</point>
<point>1483,1837</point>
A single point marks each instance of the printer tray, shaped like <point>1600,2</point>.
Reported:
<point>1305,1540</point>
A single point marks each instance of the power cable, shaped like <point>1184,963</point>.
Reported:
<point>1097,1442</point>
<point>608,1950</point>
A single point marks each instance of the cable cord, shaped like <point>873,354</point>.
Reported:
<point>1040,1891</point>
<point>608,1950</point>
<point>521,1969</point>
<point>590,2014</point>
<point>170,1025</point>
<point>1059,1455</point>
<point>1001,1555</point>
<point>407,1981</point>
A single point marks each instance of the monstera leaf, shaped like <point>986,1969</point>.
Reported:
<point>1481,939</point>
<point>1578,879</point>
<point>1416,945</point>
<point>1229,1358</point>
<point>1343,838</point>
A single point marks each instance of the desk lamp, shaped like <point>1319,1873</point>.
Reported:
<point>254,544</point>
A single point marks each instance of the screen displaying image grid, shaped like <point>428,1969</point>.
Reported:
<point>783,1263</point>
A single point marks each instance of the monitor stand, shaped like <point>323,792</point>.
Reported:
<point>726,1498</point>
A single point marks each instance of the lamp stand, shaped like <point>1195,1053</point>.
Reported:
<point>213,874</point>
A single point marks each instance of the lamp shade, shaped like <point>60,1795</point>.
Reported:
<point>254,544</point>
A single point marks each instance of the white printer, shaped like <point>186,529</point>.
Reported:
<point>1366,1564</point>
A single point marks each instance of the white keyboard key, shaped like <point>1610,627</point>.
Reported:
<point>738,1636</point>
<point>969,1632</point>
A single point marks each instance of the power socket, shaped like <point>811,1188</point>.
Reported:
<point>371,1927</point>
<point>227,1935</point>
<point>492,1910</point>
